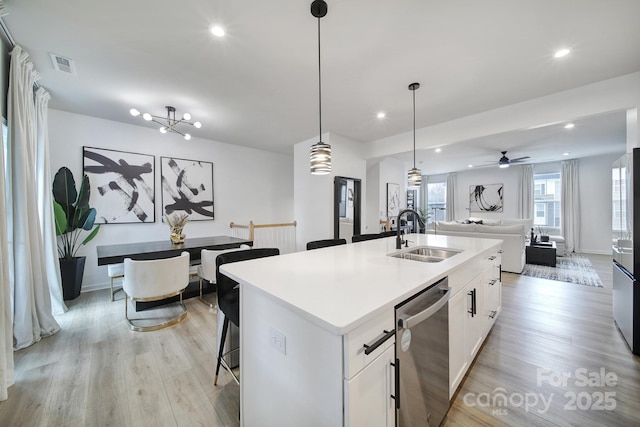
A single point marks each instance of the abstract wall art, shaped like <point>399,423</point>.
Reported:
<point>187,186</point>
<point>393,200</point>
<point>486,198</point>
<point>122,185</point>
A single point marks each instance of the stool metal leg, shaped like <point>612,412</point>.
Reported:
<point>225,327</point>
<point>202,299</point>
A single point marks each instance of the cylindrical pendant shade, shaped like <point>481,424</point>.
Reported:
<point>320,158</point>
<point>414,177</point>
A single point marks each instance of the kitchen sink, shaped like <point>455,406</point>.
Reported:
<point>426,254</point>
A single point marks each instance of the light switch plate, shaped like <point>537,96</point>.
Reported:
<point>278,340</point>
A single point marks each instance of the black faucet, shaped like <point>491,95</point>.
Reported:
<point>399,240</point>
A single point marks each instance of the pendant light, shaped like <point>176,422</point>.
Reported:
<point>415,174</point>
<point>320,154</point>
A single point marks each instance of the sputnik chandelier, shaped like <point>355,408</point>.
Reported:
<point>168,123</point>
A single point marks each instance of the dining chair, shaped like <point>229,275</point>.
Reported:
<point>317,244</point>
<point>115,271</point>
<point>362,237</point>
<point>207,267</point>
<point>153,280</point>
<point>229,298</point>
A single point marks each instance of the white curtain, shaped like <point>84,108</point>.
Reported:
<point>570,205</point>
<point>525,197</point>
<point>424,193</point>
<point>45,203</point>
<point>32,317</point>
<point>6,325</point>
<point>451,197</point>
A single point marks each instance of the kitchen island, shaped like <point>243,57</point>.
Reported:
<point>306,316</point>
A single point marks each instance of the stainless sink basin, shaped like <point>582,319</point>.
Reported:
<point>426,254</point>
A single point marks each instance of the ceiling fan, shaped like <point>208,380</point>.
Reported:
<point>504,161</point>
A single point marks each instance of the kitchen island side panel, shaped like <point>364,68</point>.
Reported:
<point>300,387</point>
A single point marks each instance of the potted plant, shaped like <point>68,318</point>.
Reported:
<point>544,234</point>
<point>424,216</point>
<point>73,215</point>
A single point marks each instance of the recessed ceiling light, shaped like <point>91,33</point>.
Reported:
<point>562,52</point>
<point>216,30</point>
<point>438,150</point>
<point>566,153</point>
<point>470,166</point>
<point>381,115</point>
<point>569,126</point>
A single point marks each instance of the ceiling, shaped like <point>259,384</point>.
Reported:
<point>258,86</point>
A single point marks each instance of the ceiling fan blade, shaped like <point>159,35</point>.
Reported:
<point>519,159</point>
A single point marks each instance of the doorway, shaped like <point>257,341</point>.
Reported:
<point>346,207</point>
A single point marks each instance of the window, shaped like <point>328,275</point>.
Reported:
<point>436,201</point>
<point>546,199</point>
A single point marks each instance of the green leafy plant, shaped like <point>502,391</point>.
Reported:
<point>424,214</point>
<point>72,213</point>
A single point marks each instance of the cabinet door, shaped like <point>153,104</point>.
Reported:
<point>368,394</point>
<point>458,358</point>
<point>474,322</point>
<point>492,291</point>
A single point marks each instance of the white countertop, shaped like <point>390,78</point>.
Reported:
<point>341,287</point>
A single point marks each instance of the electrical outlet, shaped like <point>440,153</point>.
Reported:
<point>278,340</point>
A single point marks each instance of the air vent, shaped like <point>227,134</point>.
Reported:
<point>62,64</point>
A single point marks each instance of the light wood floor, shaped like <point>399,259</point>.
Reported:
<point>95,372</point>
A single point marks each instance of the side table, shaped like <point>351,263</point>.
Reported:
<point>541,253</point>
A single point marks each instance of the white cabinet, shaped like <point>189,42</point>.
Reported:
<point>458,360</point>
<point>369,376</point>
<point>473,309</point>
<point>492,294</point>
<point>474,324</point>
<point>368,401</point>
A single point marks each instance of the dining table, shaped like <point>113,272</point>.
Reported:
<point>116,253</point>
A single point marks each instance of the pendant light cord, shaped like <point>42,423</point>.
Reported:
<point>414,128</point>
<point>319,86</point>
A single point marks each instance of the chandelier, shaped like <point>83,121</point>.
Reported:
<point>168,123</point>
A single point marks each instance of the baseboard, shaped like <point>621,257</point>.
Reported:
<point>594,252</point>
<point>86,287</point>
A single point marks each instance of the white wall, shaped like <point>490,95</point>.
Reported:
<point>595,203</point>
<point>595,197</point>
<point>313,194</point>
<point>482,176</point>
<point>249,184</point>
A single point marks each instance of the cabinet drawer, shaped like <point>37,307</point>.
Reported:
<point>459,278</point>
<point>367,335</point>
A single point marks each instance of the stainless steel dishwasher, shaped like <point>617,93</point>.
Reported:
<point>422,357</point>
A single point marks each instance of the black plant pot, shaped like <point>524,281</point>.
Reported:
<point>544,238</point>
<point>71,271</point>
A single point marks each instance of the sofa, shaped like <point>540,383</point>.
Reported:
<point>512,232</point>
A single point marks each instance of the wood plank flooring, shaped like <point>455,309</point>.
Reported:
<point>95,372</point>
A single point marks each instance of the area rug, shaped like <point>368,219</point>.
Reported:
<point>572,268</point>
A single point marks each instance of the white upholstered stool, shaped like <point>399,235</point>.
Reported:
<point>115,271</point>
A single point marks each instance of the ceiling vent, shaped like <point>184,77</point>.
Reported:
<point>62,64</point>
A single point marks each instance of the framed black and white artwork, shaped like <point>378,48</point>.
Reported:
<point>393,200</point>
<point>486,198</point>
<point>187,186</point>
<point>122,185</point>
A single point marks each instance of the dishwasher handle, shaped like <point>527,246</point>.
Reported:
<point>408,322</point>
